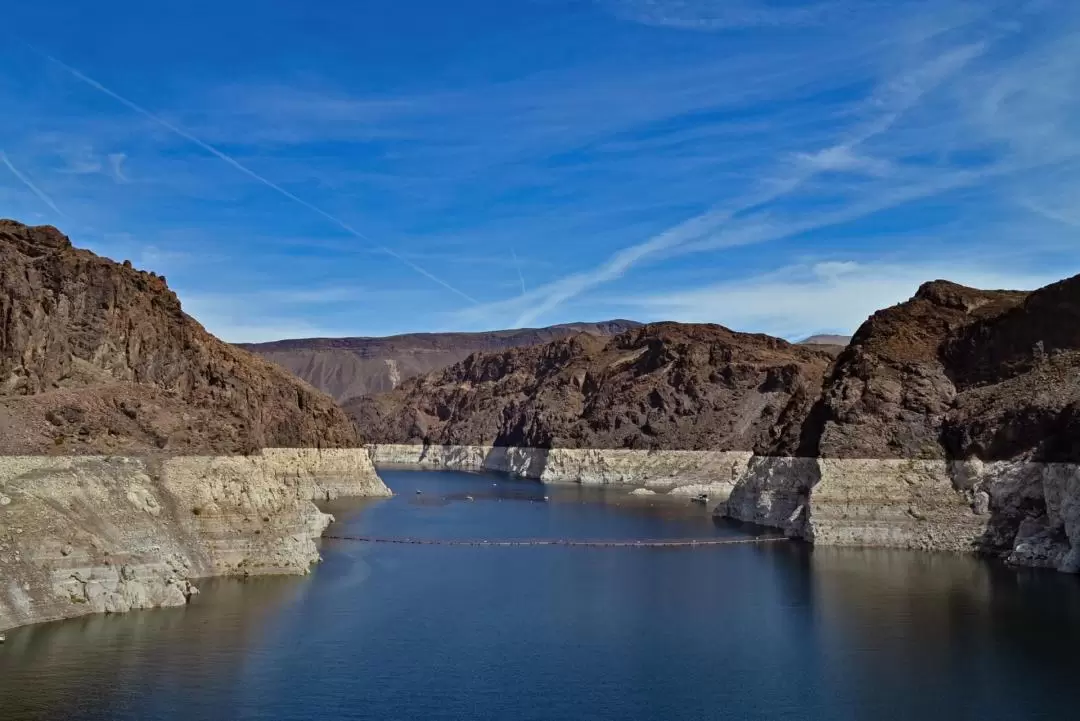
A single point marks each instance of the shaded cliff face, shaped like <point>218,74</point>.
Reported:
<point>958,373</point>
<point>350,367</point>
<point>666,385</point>
<point>97,357</point>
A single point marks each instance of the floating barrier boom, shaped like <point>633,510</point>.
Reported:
<point>674,543</point>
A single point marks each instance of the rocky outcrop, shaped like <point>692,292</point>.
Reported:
<point>659,387</point>
<point>98,357</point>
<point>950,422</point>
<point>91,534</point>
<point>137,451</point>
<point>347,368</point>
<point>677,472</point>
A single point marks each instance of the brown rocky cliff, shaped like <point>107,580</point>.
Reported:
<point>666,385</point>
<point>958,373</point>
<point>96,356</point>
<point>1017,376</point>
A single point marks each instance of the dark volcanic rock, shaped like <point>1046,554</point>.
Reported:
<point>350,367</point>
<point>666,385</point>
<point>96,356</point>
<point>958,373</point>
<point>953,373</point>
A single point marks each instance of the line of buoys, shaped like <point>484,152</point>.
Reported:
<point>681,543</point>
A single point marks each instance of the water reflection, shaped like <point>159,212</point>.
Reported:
<point>777,631</point>
<point>83,667</point>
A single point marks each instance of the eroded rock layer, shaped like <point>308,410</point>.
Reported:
<point>137,451</point>
<point>91,534</point>
<point>950,422</point>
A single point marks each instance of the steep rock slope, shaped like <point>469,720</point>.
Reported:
<point>661,386</point>
<point>96,356</point>
<point>890,391</point>
<point>950,421</point>
<point>138,452</point>
<point>351,367</point>
<point>957,373</point>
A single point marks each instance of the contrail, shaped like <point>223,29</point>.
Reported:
<point>246,171</point>
<point>517,265</point>
<point>26,181</point>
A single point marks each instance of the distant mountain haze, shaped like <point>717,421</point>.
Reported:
<point>348,368</point>
<point>841,340</point>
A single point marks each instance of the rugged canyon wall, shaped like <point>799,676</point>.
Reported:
<point>677,472</point>
<point>665,386</point>
<point>92,534</point>
<point>962,405</point>
<point>96,356</point>
<point>950,422</point>
<point>137,451</point>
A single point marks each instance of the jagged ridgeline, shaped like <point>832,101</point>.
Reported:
<point>98,357</point>
<point>954,373</point>
<point>662,386</point>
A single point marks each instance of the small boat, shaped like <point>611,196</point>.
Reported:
<point>468,498</point>
<point>701,498</point>
<point>418,491</point>
<point>2,638</point>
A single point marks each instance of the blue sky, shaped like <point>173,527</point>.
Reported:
<point>366,168</point>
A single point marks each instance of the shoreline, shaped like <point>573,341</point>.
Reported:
<point>108,534</point>
<point>927,505</point>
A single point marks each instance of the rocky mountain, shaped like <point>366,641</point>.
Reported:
<point>829,340</point>
<point>350,367</point>
<point>958,373</point>
<point>949,422</point>
<point>953,373</point>
<point>665,385</point>
<point>138,453</point>
<point>98,357</point>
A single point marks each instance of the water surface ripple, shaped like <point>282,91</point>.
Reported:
<point>422,632</point>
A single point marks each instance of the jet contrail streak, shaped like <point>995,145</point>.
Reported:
<point>26,181</point>
<point>249,172</point>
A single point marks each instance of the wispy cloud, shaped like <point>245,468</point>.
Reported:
<point>717,14</point>
<point>887,104</point>
<point>251,173</point>
<point>29,184</point>
<point>835,296</point>
<point>116,165</point>
<point>594,151</point>
<point>517,266</point>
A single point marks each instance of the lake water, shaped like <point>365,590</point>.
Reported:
<point>384,632</point>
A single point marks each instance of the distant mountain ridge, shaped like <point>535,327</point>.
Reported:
<point>826,339</point>
<point>347,368</point>
<point>659,386</point>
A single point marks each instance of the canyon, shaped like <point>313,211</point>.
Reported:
<point>949,422</point>
<point>138,453</point>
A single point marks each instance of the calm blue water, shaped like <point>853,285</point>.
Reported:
<point>424,632</point>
